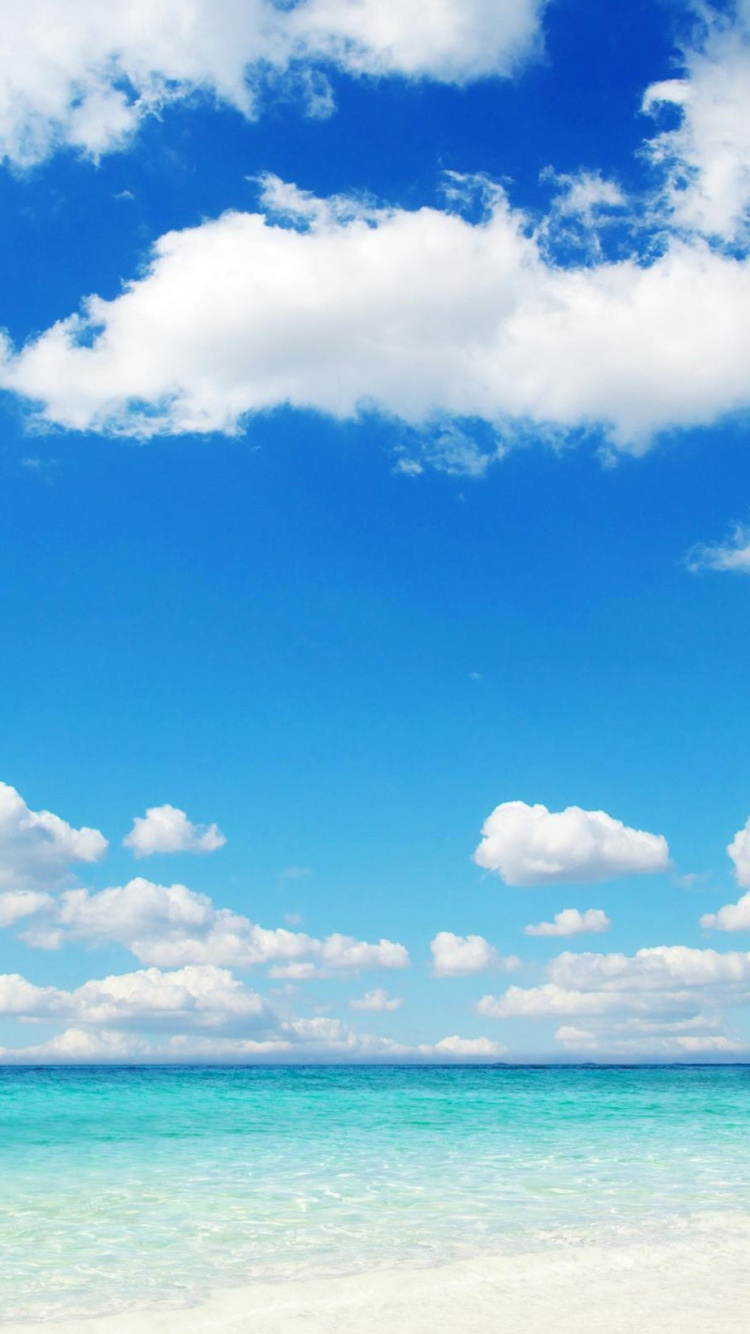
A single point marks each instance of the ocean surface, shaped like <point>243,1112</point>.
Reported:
<point>130,1188</point>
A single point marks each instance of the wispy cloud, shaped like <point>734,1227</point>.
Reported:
<point>732,555</point>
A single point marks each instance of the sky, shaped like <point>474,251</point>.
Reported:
<point>375,526</point>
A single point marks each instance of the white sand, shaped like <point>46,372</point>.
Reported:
<point>696,1286</point>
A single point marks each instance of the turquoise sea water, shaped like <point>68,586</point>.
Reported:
<point>121,1186</point>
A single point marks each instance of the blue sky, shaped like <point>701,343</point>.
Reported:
<point>342,529</point>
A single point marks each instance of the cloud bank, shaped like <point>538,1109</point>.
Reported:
<point>200,1013</point>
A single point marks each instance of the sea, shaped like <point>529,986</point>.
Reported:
<point>124,1190</point>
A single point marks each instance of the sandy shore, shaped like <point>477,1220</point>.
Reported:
<point>699,1286</point>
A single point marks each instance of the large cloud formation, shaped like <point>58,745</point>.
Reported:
<point>84,74</point>
<point>424,315</point>
<point>531,845</point>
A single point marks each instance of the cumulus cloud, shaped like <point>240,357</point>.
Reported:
<point>296,972</point>
<point>530,845</point>
<point>666,987</point>
<point>37,849</point>
<point>571,922</point>
<point>84,75</point>
<point>735,916</point>
<point>638,1038</point>
<point>658,968</point>
<point>203,997</point>
<point>19,903</point>
<point>470,1048</point>
<point>329,1041</point>
<point>195,1013</point>
<point>739,851</point>
<point>732,555</point>
<point>456,956</point>
<point>550,1001</point>
<point>467,332</point>
<point>707,157</point>
<point>171,926</point>
<point>376,1000</point>
<point>167,829</point>
<point>422,315</point>
<point>732,917</point>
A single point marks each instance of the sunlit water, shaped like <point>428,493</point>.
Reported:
<point>121,1186</point>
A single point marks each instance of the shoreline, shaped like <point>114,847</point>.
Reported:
<point>698,1285</point>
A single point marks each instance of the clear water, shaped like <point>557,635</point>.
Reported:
<point>120,1186</point>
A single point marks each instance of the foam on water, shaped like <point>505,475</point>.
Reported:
<point>123,1188</point>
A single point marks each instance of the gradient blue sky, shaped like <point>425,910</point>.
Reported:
<point>347,642</point>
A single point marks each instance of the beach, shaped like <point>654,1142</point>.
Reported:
<point>698,1287</point>
<point>256,1201</point>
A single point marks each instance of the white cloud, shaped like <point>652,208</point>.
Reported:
<point>84,74</point>
<point>530,845</point>
<point>732,555</point>
<point>735,916</point>
<point>196,1013</point>
<point>172,926</point>
<point>16,904</point>
<point>665,1041</point>
<point>732,917</point>
<point>669,987</point>
<point>574,1037</point>
<point>204,997</point>
<point>587,196</point>
<point>657,968</point>
<point>296,972</point>
<point>453,955</point>
<point>456,956</point>
<point>377,1000</point>
<point>422,315</point>
<point>302,1040</point>
<point>80,1045</point>
<point>707,158</point>
<point>468,333</point>
<point>550,1001</point>
<point>339,951</point>
<point>38,848</point>
<point>470,1048</point>
<point>167,829</point>
<point>571,922</point>
<point>739,851</point>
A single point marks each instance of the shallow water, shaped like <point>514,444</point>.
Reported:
<point>123,1186</point>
